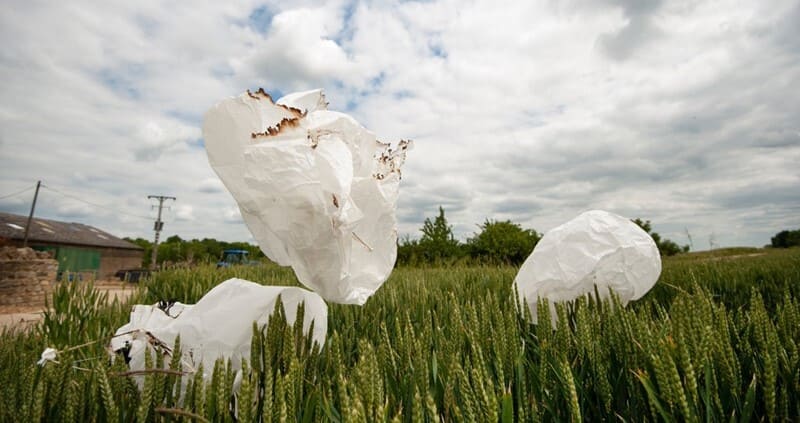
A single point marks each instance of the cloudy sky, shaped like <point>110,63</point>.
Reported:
<point>683,113</point>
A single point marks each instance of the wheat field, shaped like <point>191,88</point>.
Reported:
<point>715,340</point>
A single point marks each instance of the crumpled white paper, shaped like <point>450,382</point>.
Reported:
<point>220,325</point>
<point>316,189</point>
<point>597,248</point>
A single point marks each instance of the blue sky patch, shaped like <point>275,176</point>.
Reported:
<point>275,93</point>
<point>260,19</point>
<point>437,50</point>
<point>347,31</point>
<point>377,82</point>
<point>120,82</point>
<point>402,94</point>
<point>148,25</point>
<point>197,143</point>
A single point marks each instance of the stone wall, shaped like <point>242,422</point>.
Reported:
<point>26,276</point>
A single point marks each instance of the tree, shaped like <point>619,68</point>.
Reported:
<point>408,251</point>
<point>786,239</point>
<point>437,242</point>
<point>666,247</point>
<point>502,242</point>
<point>209,250</point>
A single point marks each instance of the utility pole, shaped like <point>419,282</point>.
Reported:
<point>691,244</point>
<point>30,216</point>
<point>159,225</point>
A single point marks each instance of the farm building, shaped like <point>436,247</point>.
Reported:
<point>78,248</point>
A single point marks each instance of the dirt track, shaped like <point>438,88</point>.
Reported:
<point>25,317</point>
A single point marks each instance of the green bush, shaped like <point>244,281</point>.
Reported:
<point>502,242</point>
<point>786,239</point>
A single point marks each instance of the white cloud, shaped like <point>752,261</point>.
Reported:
<point>298,49</point>
<point>211,186</point>
<point>233,215</point>
<point>74,210</point>
<point>678,112</point>
<point>153,139</point>
<point>184,212</point>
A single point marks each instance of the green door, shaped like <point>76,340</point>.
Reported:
<point>71,259</point>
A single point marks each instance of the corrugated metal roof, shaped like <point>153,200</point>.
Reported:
<point>12,226</point>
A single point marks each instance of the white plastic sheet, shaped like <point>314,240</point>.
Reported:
<point>49,354</point>
<point>317,190</point>
<point>597,248</point>
<point>220,325</point>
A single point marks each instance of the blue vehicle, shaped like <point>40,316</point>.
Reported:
<point>234,257</point>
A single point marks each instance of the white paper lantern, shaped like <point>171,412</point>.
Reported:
<point>596,249</point>
<point>316,189</point>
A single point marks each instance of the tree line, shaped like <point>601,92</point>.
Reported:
<point>177,251</point>
<point>496,242</point>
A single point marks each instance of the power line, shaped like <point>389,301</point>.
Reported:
<point>16,193</point>
<point>95,204</point>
